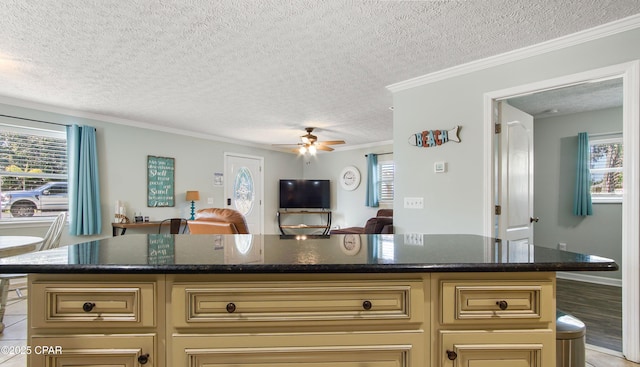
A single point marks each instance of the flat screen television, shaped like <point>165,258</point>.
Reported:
<point>305,194</point>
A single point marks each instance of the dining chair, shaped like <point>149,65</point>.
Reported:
<point>51,240</point>
<point>174,225</point>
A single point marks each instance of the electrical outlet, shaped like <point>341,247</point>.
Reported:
<point>415,239</point>
<point>414,203</point>
<point>209,200</point>
<point>562,246</point>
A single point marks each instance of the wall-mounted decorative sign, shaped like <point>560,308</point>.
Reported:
<point>434,138</point>
<point>160,181</point>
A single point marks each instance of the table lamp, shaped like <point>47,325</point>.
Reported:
<point>192,196</point>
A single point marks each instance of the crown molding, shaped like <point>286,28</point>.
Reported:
<point>364,146</point>
<point>601,31</point>
<point>120,121</point>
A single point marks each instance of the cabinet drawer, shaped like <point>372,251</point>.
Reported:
<point>237,304</point>
<point>93,305</point>
<point>301,350</point>
<point>125,350</point>
<point>497,300</point>
<point>516,348</point>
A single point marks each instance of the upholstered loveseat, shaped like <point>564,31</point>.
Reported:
<point>382,223</point>
<point>218,220</point>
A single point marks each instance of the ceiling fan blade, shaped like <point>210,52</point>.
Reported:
<point>322,147</point>
<point>285,145</point>
<point>331,142</point>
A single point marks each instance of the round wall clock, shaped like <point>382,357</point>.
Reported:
<point>350,178</point>
<point>351,244</point>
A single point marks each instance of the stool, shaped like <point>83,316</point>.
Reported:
<point>570,341</point>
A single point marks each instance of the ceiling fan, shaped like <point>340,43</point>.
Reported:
<point>309,143</point>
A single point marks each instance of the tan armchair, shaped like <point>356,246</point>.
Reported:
<point>218,221</point>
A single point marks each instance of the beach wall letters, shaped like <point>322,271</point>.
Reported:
<point>434,138</point>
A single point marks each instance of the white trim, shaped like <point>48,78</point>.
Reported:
<point>605,30</point>
<point>631,215</point>
<point>363,146</point>
<point>126,122</point>
<point>604,350</point>
<point>630,74</point>
<point>594,279</point>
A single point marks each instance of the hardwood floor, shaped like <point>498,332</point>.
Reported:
<point>598,306</point>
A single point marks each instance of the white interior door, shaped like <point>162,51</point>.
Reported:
<point>244,188</point>
<point>515,175</point>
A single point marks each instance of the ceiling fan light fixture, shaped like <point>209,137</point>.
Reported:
<point>302,149</point>
<point>312,149</point>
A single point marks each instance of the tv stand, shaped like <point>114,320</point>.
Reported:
<point>325,225</point>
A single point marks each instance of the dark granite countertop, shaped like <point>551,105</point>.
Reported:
<point>220,254</point>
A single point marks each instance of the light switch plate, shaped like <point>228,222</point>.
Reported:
<point>440,167</point>
<point>414,203</point>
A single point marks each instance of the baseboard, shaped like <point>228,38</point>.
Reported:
<point>590,279</point>
<point>604,350</point>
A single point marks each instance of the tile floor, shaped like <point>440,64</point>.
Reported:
<point>15,334</point>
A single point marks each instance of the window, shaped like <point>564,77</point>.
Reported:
<point>387,171</point>
<point>33,172</point>
<point>606,154</point>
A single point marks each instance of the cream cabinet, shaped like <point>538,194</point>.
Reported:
<point>373,319</point>
<point>494,319</point>
<point>96,320</point>
<point>305,320</point>
<point>126,350</point>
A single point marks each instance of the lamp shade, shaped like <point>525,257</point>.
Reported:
<point>193,195</point>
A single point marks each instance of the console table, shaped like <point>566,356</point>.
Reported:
<point>325,216</point>
<point>124,226</point>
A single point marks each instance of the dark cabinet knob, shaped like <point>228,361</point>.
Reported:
<point>367,305</point>
<point>502,304</point>
<point>143,359</point>
<point>452,355</point>
<point>88,306</point>
<point>231,307</point>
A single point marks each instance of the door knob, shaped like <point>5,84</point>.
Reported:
<point>534,219</point>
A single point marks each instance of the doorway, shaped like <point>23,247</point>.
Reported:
<point>243,187</point>
<point>629,73</point>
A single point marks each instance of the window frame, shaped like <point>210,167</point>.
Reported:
<point>606,139</point>
<point>380,181</point>
<point>31,127</point>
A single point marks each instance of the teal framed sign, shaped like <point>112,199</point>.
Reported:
<point>160,181</point>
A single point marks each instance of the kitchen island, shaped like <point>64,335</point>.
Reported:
<point>347,300</point>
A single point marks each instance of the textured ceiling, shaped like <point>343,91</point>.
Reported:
<point>583,97</point>
<point>261,71</point>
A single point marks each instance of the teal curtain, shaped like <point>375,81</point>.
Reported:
<point>84,184</point>
<point>582,205</point>
<point>84,253</point>
<point>372,199</point>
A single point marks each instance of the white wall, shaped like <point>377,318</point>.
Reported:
<point>454,200</point>
<point>123,154</point>
<point>347,207</point>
